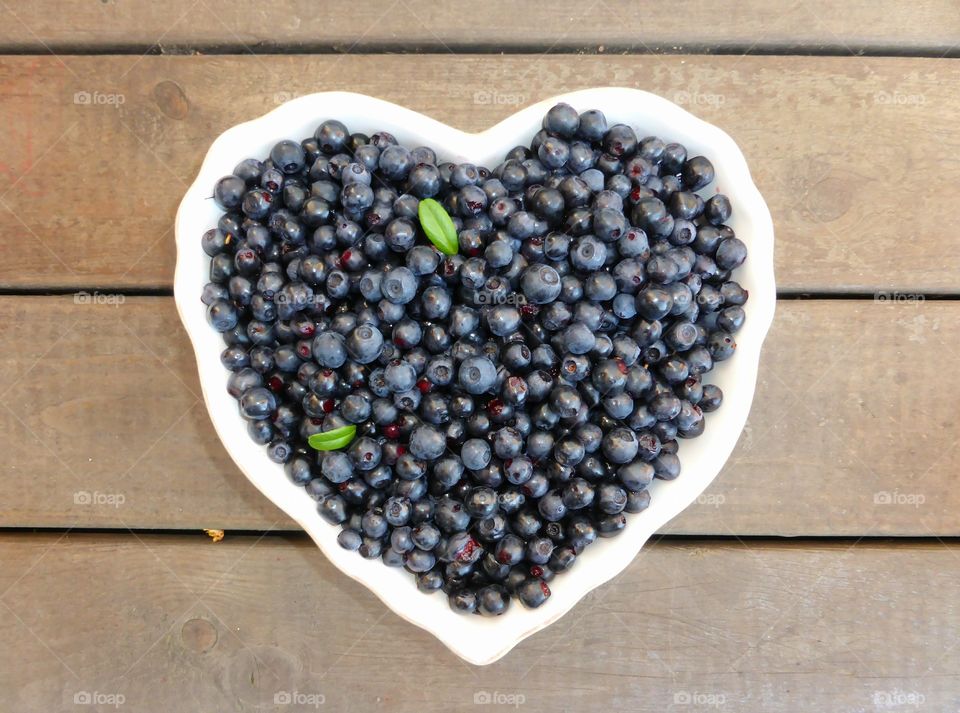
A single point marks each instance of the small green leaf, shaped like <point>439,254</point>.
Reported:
<point>438,226</point>
<point>332,440</point>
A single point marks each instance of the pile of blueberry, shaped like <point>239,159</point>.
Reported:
<point>512,401</point>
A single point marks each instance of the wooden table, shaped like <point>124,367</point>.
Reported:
<point>819,572</point>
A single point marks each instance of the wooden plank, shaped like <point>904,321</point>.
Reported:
<point>851,433</point>
<point>92,189</point>
<point>771,627</point>
<point>411,25</point>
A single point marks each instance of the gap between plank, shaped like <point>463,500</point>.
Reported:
<point>300,535</point>
<point>466,48</point>
<point>784,295</point>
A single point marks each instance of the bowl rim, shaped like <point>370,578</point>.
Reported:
<point>478,640</point>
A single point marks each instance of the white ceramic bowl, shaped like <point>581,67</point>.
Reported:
<point>477,639</point>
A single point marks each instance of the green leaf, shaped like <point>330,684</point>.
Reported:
<point>438,226</point>
<point>332,440</point>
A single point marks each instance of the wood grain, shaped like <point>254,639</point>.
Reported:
<point>852,431</point>
<point>412,25</point>
<point>852,155</point>
<point>179,623</point>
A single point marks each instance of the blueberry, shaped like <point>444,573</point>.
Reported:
<point>337,467</point>
<point>516,356</point>
<point>364,344</point>
<point>279,451</point>
<point>450,515</point>
<point>514,390</point>
<point>399,235</point>
<point>395,162</point>
<point>635,476</point>
<point>399,285</point>
<point>332,136</point>
<point>424,536</point>
<point>733,294</point>
<point>424,181</point>
<point>503,320</point>
<point>371,548</point>
<point>592,125</point>
<point>697,172</point>
<point>213,292</point>
<point>356,198</point>
<point>562,559</point>
<point>463,601</point>
<point>374,524</point>
<point>422,260</point>
<point>329,350</point>
<point>399,376</point>
<point>620,445</point>
<point>654,303</point>
<point>620,140</point>
<point>554,152</point>
<point>731,253</point>
<point>712,398</point>
<point>365,453</point>
<point>588,254</point>
<point>228,192</point>
<point>221,268</point>
<point>333,509</point>
<point>257,403</point>
<point>507,442</point>
<point>222,315</point>
<point>492,600</point>
<point>288,156</point>
<point>477,375</point>
<point>439,370</point>
<point>349,539</point>
<point>540,284</point>
<point>609,224</point>
<point>600,286</point>
<point>481,502</point>
<point>475,454</point>
<point>419,561</point>
<point>235,358</point>
<point>611,525</point>
<point>249,170</point>
<point>427,443</point>
<point>551,506</point>
<point>720,345</point>
<point>562,120</point>
<point>666,466</point>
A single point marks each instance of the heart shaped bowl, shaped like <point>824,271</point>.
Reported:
<point>476,639</point>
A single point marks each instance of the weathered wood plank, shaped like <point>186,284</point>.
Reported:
<point>411,25</point>
<point>688,626</point>
<point>852,433</point>
<point>91,189</point>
